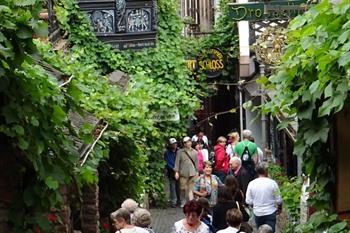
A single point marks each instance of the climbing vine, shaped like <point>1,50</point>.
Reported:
<point>33,120</point>
<point>313,85</point>
<point>159,81</point>
<point>34,110</point>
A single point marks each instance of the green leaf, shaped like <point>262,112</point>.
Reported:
<point>306,113</point>
<point>338,227</point>
<point>74,91</point>
<point>18,129</point>
<point>58,114</point>
<point>344,37</point>
<point>2,37</point>
<point>299,148</point>
<point>328,92</point>
<point>25,2</point>
<point>51,183</point>
<point>23,144</point>
<point>34,121</point>
<point>313,87</point>
<point>262,80</point>
<point>24,33</point>
<point>344,59</point>
<point>41,30</point>
<point>6,52</point>
<point>306,42</point>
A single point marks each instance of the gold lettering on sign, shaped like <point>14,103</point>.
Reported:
<point>191,64</point>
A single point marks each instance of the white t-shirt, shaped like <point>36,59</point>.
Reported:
<point>180,228</point>
<point>263,194</point>
<point>230,150</point>
<point>132,230</point>
<point>229,230</point>
<point>204,138</point>
<point>205,154</point>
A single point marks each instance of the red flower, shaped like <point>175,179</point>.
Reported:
<point>37,230</point>
<point>105,225</point>
<point>52,217</point>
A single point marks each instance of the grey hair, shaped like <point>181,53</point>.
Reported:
<point>235,158</point>
<point>265,229</point>
<point>121,213</point>
<point>246,134</point>
<point>141,218</point>
<point>130,204</point>
<point>262,168</point>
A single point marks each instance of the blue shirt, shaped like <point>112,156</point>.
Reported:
<point>169,157</point>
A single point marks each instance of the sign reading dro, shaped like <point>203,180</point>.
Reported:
<point>126,24</point>
<point>267,10</point>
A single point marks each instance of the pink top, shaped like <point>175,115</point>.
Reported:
<point>200,161</point>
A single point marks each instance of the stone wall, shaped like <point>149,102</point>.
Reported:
<point>89,212</point>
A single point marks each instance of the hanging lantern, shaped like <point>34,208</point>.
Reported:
<point>270,45</point>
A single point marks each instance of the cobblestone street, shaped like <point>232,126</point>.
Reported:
<point>164,219</point>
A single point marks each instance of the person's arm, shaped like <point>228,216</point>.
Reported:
<point>255,156</point>
<point>220,158</point>
<point>177,164</point>
<point>205,155</point>
<point>278,198</point>
<point>196,159</point>
<point>219,181</point>
<point>167,160</point>
<point>205,140</point>
<point>249,197</point>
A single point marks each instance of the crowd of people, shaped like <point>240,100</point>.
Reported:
<point>220,193</point>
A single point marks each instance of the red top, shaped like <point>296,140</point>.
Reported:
<point>221,159</point>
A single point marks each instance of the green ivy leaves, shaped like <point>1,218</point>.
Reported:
<point>313,82</point>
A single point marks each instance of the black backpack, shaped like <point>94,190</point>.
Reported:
<point>247,161</point>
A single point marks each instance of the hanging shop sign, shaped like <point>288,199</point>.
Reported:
<point>126,24</point>
<point>166,114</point>
<point>267,10</point>
<point>212,63</point>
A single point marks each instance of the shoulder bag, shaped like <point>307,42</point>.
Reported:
<point>194,165</point>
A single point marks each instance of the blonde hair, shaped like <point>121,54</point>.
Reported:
<point>208,163</point>
<point>233,135</point>
<point>221,138</point>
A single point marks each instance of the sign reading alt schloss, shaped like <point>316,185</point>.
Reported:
<point>211,63</point>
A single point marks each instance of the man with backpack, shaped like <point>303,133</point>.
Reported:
<point>247,152</point>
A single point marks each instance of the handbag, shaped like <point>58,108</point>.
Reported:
<point>243,211</point>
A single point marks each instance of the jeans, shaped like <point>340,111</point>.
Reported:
<point>266,219</point>
<point>174,190</point>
